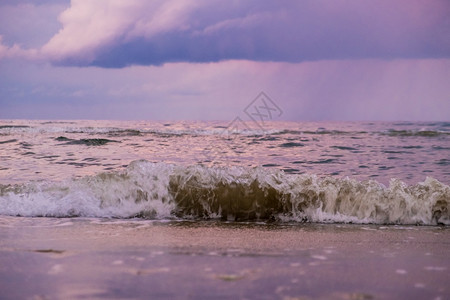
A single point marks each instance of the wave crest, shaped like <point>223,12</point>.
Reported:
<point>158,190</point>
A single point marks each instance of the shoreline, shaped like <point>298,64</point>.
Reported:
<point>47,258</point>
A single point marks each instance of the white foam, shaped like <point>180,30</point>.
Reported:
<point>41,129</point>
<point>147,189</point>
<point>120,195</point>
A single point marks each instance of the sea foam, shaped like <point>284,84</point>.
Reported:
<point>167,191</point>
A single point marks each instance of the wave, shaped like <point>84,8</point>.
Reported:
<point>20,129</point>
<point>87,142</point>
<point>164,191</point>
<point>241,128</point>
<point>416,133</point>
<point>112,131</point>
<point>8,141</point>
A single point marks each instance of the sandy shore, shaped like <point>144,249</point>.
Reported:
<point>43,258</point>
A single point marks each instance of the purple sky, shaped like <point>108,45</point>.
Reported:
<point>206,59</point>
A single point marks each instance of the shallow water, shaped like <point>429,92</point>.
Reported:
<point>360,172</point>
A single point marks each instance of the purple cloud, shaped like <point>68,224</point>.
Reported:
<point>117,34</point>
<point>320,60</point>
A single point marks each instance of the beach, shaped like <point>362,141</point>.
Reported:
<point>91,258</point>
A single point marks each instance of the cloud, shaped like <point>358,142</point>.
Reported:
<point>320,90</point>
<point>35,2</point>
<point>29,24</point>
<point>92,28</point>
<point>17,51</point>
<point>113,33</point>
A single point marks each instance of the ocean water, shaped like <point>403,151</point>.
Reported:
<point>344,172</point>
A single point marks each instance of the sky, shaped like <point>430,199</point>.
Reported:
<point>355,60</point>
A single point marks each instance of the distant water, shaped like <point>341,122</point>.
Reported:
<point>358,172</point>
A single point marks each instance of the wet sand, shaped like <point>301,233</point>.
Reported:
<point>44,258</point>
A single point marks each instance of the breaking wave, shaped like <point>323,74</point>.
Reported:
<point>429,130</point>
<point>6,130</point>
<point>164,191</point>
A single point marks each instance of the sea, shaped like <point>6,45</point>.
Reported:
<point>238,171</point>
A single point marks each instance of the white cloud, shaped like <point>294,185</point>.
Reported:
<point>91,26</point>
<point>169,15</point>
